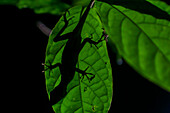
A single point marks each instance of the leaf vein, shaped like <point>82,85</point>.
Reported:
<point>142,31</point>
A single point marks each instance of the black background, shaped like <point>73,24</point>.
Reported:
<point>23,50</point>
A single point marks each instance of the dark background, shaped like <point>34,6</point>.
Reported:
<point>23,50</point>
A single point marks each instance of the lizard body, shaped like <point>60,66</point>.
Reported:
<point>70,56</point>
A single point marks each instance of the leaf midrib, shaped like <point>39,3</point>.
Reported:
<point>143,32</point>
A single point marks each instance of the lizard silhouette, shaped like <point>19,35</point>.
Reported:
<point>70,56</point>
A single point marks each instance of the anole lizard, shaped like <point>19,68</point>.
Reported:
<point>70,56</point>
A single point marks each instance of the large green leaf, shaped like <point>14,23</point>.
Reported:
<point>141,39</point>
<point>143,6</point>
<point>82,95</point>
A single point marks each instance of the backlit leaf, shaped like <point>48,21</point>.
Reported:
<point>142,40</point>
<point>82,96</point>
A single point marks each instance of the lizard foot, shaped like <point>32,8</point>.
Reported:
<point>84,73</point>
<point>50,66</point>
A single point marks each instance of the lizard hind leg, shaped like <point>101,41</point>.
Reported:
<point>84,73</point>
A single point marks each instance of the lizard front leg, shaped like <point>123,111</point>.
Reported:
<point>50,66</point>
<point>89,40</point>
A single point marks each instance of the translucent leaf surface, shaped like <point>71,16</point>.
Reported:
<point>141,39</point>
<point>82,96</point>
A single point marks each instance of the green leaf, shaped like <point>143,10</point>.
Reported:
<point>162,5</point>
<point>8,2</point>
<point>45,6</point>
<point>82,95</point>
<point>40,6</point>
<point>142,6</point>
<point>141,39</point>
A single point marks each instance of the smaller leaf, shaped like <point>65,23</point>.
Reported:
<point>8,2</point>
<point>44,6</point>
